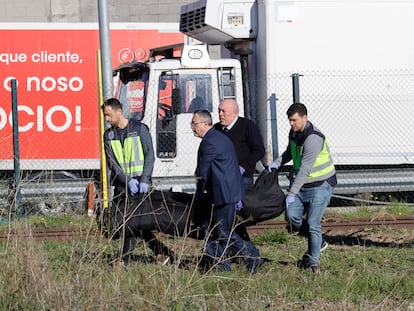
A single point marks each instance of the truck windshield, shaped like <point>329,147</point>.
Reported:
<point>131,85</point>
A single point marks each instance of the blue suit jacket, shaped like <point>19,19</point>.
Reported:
<point>218,169</point>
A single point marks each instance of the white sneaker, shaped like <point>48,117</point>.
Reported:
<point>324,245</point>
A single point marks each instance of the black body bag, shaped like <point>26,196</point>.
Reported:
<point>264,200</point>
<point>176,213</point>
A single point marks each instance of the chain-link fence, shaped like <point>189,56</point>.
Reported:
<point>58,144</point>
<point>365,117</point>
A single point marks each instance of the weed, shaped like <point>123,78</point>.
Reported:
<point>272,237</point>
<point>359,271</point>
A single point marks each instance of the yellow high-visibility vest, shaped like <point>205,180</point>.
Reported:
<point>323,166</point>
<point>131,156</point>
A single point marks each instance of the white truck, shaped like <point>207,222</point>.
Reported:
<point>354,62</point>
<point>164,92</point>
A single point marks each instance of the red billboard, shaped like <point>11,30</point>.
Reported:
<point>55,66</point>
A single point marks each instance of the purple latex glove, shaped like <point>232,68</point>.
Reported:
<point>239,205</point>
<point>143,187</point>
<point>272,166</point>
<point>289,200</point>
<point>242,170</point>
<point>133,185</point>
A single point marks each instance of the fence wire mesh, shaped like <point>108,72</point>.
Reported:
<point>365,116</point>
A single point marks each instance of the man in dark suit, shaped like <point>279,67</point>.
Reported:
<point>218,174</point>
<point>245,136</point>
<point>247,141</point>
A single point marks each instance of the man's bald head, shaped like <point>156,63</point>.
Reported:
<point>228,111</point>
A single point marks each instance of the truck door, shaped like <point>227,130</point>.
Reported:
<point>179,93</point>
<point>166,125</point>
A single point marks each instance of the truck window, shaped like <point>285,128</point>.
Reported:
<point>131,91</point>
<point>195,90</point>
<point>192,91</point>
<point>165,87</point>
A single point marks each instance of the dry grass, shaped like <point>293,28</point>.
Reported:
<point>367,270</point>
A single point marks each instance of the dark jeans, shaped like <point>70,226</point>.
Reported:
<point>241,228</point>
<point>221,238</point>
<point>248,180</point>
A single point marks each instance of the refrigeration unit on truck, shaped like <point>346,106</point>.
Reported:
<point>350,62</point>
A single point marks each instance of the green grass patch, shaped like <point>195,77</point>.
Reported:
<point>38,222</point>
<point>272,237</point>
<point>395,209</point>
<point>371,271</point>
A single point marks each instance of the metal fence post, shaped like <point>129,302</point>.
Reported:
<point>273,124</point>
<point>295,87</point>
<point>16,151</point>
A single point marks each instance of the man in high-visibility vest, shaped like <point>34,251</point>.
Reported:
<point>130,156</point>
<point>129,150</point>
<point>312,182</point>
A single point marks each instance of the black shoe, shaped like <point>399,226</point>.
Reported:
<point>314,268</point>
<point>255,266</point>
<point>205,264</point>
<point>324,245</point>
<point>306,265</point>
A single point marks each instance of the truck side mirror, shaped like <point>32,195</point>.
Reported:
<point>176,101</point>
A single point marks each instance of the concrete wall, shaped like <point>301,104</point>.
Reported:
<point>57,11</point>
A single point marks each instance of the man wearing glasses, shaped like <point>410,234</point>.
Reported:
<point>218,174</point>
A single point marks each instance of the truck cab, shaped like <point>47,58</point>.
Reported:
<point>164,92</point>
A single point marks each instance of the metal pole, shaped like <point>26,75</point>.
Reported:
<point>16,151</point>
<point>273,124</point>
<point>105,44</point>
<point>106,82</point>
<point>295,87</point>
<point>244,61</point>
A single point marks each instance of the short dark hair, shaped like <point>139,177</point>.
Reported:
<point>204,116</point>
<point>114,103</point>
<point>297,108</point>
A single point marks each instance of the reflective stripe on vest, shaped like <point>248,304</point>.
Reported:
<point>131,156</point>
<point>323,164</point>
